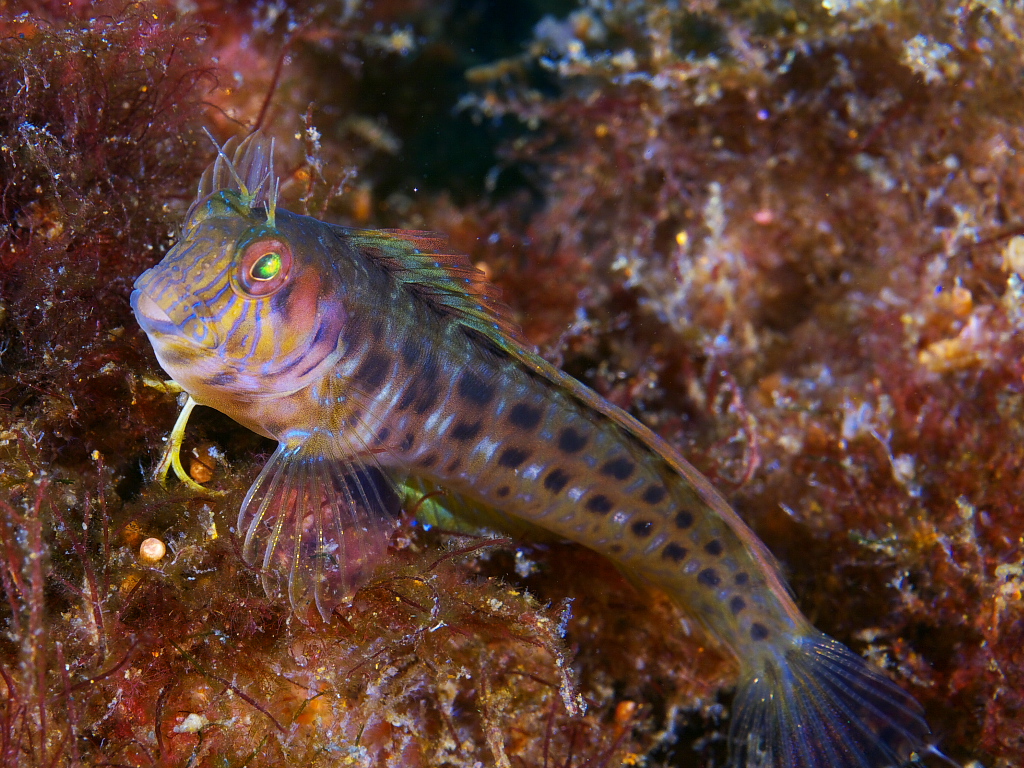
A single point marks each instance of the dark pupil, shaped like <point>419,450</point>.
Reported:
<point>266,267</point>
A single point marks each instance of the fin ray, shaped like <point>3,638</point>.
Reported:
<point>245,167</point>
<point>317,520</point>
<point>427,266</point>
<point>815,704</point>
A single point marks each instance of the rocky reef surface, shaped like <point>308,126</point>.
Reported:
<point>785,235</point>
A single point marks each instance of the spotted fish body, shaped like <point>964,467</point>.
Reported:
<point>376,358</point>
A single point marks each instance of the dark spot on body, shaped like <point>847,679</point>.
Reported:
<point>758,631</point>
<point>513,457</point>
<point>422,391</point>
<point>654,494</point>
<point>683,519</point>
<point>409,394</point>
<point>502,492</point>
<point>713,547</point>
<point>709,577</point>
<point>474,389</point>
<point>741,578</point>
<point>411,350</point>
<point>642,528</point>
<point>737,604</point>
<point>524,416</point>
<point>615,548</point>
<point>409,442</point>
<point>620,468</point>
<point>454,465</point>
<point>371,374</point>
<point>571,441</point>
<point>427,397</point>
<point>556,480</point>
<point>599,504</point>
<point>674,552</point>
<point>428,461</point>
<point>463,431</point>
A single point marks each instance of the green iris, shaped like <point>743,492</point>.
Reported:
<point>266,267</point>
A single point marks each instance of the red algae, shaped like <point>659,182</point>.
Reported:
<point>784,237</point>
<point>96,130</point>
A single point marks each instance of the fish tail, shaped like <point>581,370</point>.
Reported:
<point>816,704</point>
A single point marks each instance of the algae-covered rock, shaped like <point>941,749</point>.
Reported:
<point>785,236</point>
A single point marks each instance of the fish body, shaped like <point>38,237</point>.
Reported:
<point>376,356</point>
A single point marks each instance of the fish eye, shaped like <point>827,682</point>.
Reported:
<point>263,268</point>
<point>266,267</point>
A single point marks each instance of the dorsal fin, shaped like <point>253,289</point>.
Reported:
<point>424,262</point>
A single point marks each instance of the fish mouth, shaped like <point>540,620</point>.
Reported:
<point>151,316</point>
<point>157,322</point>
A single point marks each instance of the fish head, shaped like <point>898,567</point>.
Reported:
<point>240,308</point>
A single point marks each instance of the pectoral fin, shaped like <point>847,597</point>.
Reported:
<point>316,522</point>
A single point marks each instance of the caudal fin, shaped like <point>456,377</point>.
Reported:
<point>818,705</point>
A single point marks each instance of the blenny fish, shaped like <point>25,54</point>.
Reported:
<point>377,358</point>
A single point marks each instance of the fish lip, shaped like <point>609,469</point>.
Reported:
<point>152,318</point>
<point>158,322</point>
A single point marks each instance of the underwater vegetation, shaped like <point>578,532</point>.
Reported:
<point>785,236</point>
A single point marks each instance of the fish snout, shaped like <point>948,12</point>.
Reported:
<point>145,308</point>
<point>157,321</point>
<point>150,315</point>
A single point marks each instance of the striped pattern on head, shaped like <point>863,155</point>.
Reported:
<point>232,297</point>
